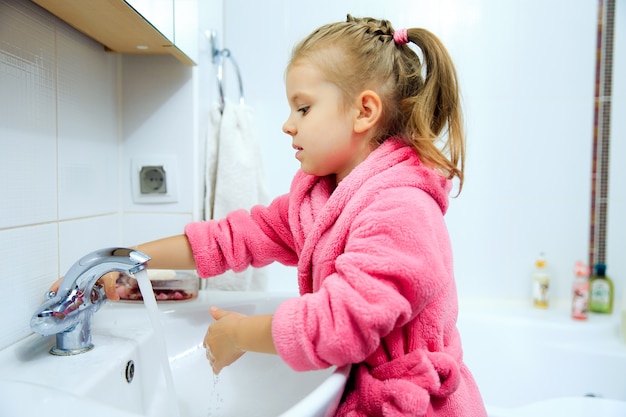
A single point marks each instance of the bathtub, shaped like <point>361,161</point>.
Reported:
<point>526,359</point>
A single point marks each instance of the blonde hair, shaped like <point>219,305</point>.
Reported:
<point>420,105</point>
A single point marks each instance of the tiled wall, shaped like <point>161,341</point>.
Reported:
<point>58,155</point>
<point>72,118</point>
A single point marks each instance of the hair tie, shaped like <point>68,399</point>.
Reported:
<point>401,36</point>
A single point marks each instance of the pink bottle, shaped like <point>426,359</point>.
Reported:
<point>580,289</point>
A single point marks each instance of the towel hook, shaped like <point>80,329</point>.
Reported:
<point>218,56</point>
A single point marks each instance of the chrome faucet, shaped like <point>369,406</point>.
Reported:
<point>67,313</point>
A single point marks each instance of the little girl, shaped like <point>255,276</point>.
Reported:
<point>379,137</point>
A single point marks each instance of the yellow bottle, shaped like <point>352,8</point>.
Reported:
<point>541,283</point>
<point>600,291</point>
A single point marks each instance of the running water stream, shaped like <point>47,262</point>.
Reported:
<point>153,312</point>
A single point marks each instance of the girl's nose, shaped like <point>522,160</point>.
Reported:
<point>289,128</point>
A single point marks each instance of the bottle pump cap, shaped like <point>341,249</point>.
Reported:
<point>599,269</point>
<point>541,261</point>
<point>581,270</point>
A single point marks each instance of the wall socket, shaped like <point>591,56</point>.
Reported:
<point>154,179</point>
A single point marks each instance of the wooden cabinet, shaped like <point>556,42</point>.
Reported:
<point>134,27</point>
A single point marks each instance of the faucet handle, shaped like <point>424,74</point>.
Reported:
<point>97,295</point>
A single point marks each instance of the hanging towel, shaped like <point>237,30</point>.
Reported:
<point>234,179</point>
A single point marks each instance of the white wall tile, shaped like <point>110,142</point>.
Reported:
<point>144,227</point>
<point>28,265</point>
<point>81,236</point>
<point>27,115</point>
<point>87,126</point>
<point>555,48</point>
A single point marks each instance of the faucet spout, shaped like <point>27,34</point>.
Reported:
<point>68,312</point>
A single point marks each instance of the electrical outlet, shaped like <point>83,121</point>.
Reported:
<point>154,180</point>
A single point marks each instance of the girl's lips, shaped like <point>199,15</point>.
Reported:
<point>298,151</point>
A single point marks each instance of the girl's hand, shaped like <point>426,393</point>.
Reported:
<point>107,280</point>
<point>220,340</point>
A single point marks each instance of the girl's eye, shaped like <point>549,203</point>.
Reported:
<point>304,110</point>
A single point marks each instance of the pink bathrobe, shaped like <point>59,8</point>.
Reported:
<point>375,273</point>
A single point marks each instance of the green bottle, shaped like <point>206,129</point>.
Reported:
<point>600,291</point>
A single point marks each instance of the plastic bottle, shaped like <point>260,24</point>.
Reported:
<point>541,283</point>
<point>580,290</point>
<point>600,291</point>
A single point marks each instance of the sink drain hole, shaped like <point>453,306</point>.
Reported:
<point>129,373</point>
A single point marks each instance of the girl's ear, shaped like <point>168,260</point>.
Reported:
<point>369,109</point>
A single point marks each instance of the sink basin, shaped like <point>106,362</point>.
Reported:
<point>122,375</point>
<point>27,399</point>
<point>255,385</point>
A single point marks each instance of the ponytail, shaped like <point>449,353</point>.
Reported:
<point>435,109</point>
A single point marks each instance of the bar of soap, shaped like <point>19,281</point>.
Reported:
<point>161,274</point>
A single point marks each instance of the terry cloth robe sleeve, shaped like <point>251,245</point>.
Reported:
<point>377,270</point>
<point>243,239</point>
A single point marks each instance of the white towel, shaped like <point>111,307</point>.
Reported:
<point>234,179</point>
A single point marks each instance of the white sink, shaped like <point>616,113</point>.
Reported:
<point>28,399</point>
<point>255,385</point>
